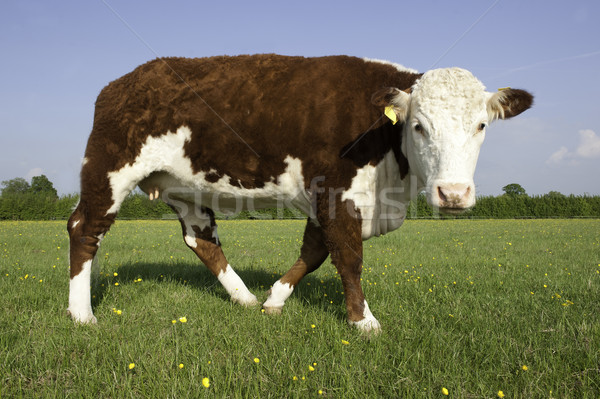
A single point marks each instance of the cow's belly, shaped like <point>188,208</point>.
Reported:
<point>224,197</point>
<point>162,164</point>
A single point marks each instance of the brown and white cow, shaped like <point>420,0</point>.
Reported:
<point>224,133</point>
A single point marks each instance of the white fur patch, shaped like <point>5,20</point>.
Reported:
<point>100,237</point>
<point>236,288</point>
<point>399,67</point>
<point>158,153</point>
<point>380,196</point>
<point>191,241</point>
<point>75,223</point>
<point>192,216</point>
<point>225,195</point>
<point>369,323</point>
<point>80,302</point>
<point>279,294</point>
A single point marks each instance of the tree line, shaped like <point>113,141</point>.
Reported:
<point>38,200</point>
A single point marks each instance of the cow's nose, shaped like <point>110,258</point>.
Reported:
<point>454,195</point>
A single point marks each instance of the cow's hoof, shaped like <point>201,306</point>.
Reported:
<point>272,309</point>
<point>83,318</point>
<point>368,326</point>
<point>246,300</point>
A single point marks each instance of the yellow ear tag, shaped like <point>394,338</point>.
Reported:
<point>389,112</point>
<point>503,88</point>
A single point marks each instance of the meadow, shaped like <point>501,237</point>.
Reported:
<point>469,309</point>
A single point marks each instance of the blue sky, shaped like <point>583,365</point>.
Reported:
<point>57,56</point>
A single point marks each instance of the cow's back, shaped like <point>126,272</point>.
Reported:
<point>245,113</point>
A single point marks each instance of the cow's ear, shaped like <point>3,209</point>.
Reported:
<point>507,103</point>
<point>392,97</point>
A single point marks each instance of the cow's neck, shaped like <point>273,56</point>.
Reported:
<point>381,189</point>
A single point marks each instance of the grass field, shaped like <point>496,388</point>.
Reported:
<point>468,308</point>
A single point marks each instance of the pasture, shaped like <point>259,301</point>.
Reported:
<point>467,308</point>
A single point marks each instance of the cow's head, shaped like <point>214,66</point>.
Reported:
<point>445,115</point>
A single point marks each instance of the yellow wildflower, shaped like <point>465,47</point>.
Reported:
<point>256,360</point>
<point>180,365</point>
<point>183,319</point>
<point>524,368</point>
<point>500,394</point>
<point>131,366</point>
<point>205,382</point>
<point>445,391</point>
<point>344,342</point>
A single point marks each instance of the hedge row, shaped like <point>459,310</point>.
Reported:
<point>31,206</point>
<point>552,205</point>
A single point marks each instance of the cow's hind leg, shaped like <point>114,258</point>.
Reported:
<point>86,226</point>
<point>312,254</point>
<point>200,234</point>
<point>102,194</point>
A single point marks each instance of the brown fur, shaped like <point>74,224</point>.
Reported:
<point>308,108</point>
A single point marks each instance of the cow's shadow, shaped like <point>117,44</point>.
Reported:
<point>312,291</point>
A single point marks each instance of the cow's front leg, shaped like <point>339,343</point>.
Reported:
<point>347,258</point>
<point>312,254</point>
<point>344,241</point>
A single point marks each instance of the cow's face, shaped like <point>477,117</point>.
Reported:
<point>445,117</point>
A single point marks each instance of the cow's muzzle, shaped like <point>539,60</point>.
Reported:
<point>453,198</point>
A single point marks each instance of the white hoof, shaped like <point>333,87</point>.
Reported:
<point>367,325</point>
<point>246,299</point>
<point>278,294</point>
<point>83,317</point>
<point>272,310</point>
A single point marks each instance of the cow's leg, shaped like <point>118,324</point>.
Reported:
<point>102,193</point>
<point>312,254</point>
<point>86,226</point>
<point>343,238</point>
<point>200,234</point>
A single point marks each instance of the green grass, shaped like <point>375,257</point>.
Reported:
<point>464,305</point>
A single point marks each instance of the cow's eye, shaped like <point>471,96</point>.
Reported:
<point>481,127</point>
<point>419,129</point>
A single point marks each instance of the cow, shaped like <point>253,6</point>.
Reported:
<point>346,140</point>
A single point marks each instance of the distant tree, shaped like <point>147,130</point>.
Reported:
<point>41,185</point>
<point>15,186</point>
<point>514,190</point>
<point>555,194</point>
